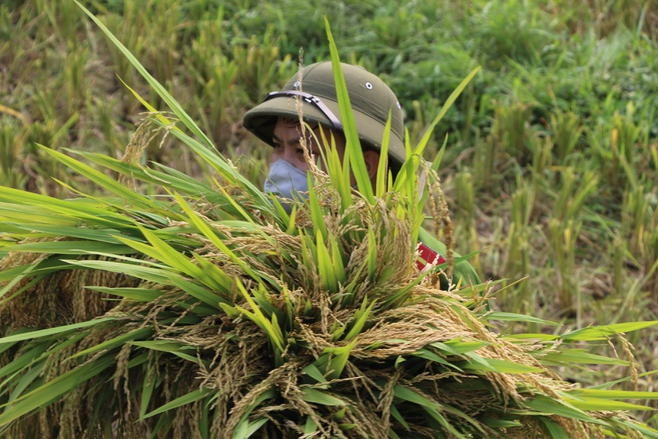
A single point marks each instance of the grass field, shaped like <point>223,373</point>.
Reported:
<point>552,157</point>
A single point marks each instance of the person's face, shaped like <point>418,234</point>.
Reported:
<point>287,142</point>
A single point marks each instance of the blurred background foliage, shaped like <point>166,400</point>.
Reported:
<point>552,149</point>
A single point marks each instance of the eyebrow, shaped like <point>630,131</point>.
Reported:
<point>294,140</point>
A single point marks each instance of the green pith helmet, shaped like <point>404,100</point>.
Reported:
<point>370,97</point>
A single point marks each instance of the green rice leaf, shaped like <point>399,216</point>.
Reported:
<point>316,396</point>
<point>333,360</point>
<point>612,394</point>
<point>555,430</point>
<point>134,294</point>
<point>46,394</point>
<point>25,380</point>
<point>207,231</point>
<point>444,109</point>
<point>162,92</point>
<point>512,317</point>
<point>482,364</point>
<point>154,274</point>
<point>312,371</point>
<point>60,230</point>
<point>382,167</point>
<point>325,266</point>
<point>70,248</point>
<point>580,356</point>
<point>585,403</point>
<point>532,336</point>
<point>410,395</point>
<point>242,429</point>
<point>180,401</point>
<point>647,432</point>
<point>361,316</point>
<point>54,331</point>
<point>90,212</point>
<point>271,328</point>
<point>103,180</point>
<point>431,356</point>
<point>457,347</point>
<point>254,426</point>
<point>38,351</point>
<point>205,272</point>
<point>247,428</point>
<point>354,157</point>
<point>310,426</point>
<point>337,260</point>
<point>436,163</point>
<point>148,386</point>
<point>169,347</point>
<point>338,170</point>
<point>438,417</point>
<point>171,179</point>
<point>593,333</point>
<point>500,423</point>
<point>552,406</point>
<point>398,417</point>
<point>230,311</point>
<point>16,275</point>
<point>117,341</point>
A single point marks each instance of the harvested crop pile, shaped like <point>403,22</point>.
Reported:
<point>214,313</point>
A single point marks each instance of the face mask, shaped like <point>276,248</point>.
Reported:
<point>286,181</point>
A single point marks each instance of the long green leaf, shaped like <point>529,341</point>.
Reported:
<point>120,340</point>
<point>46,394</point>
<point>605,331</point>
<point>169,347</point>
<point>316,396</point>
<point>162,92</point>
<point>102,179</point>
<point>553,406</point>
<point>354,156</point>
<point>53,331</point>
<point>613,394</point>
<point>70,248</point>
<point>180,401</point>
<point>555,430</point>
<point>580,356</point>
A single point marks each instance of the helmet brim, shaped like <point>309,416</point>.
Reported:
<point>262,119</point>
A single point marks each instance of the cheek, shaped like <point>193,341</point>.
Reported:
<point>301,165</point>
<point>277,153</point>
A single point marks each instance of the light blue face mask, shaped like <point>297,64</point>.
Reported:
<point>286,181</point>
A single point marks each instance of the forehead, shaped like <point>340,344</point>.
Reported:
<point>288,122</point>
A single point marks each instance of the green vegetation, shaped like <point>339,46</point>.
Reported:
<point>550,170</point>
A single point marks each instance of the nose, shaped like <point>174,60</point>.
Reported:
<point>289,153</point>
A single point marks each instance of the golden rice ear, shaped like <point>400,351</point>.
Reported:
<point>58,298</point>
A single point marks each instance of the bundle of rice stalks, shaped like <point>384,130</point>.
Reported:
<point>214,313</point>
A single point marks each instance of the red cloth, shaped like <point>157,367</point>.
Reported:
<point>427,256</point>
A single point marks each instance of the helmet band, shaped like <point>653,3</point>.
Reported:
<point>307,97</point>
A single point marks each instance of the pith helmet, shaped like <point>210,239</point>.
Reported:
<point>370,97</point>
